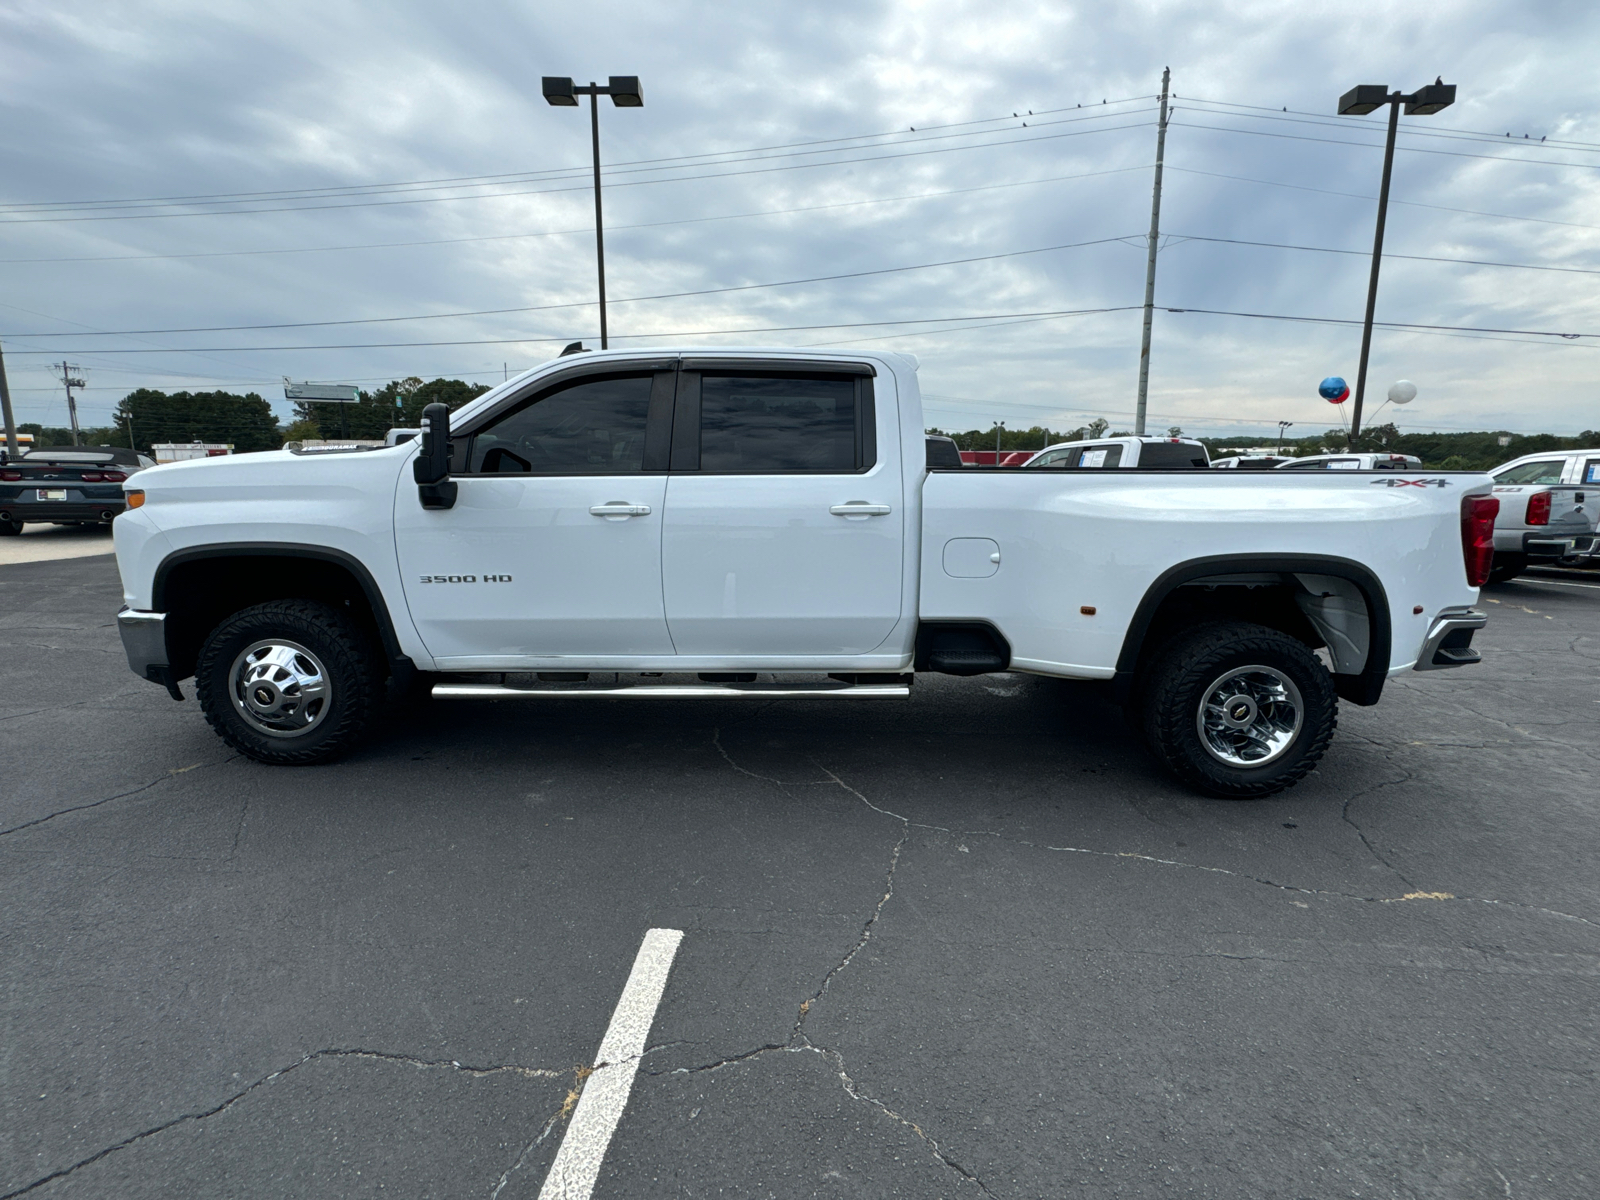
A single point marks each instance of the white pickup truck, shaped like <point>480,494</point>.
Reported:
<point>762,523</point>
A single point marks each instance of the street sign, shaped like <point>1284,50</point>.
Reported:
<point>322,393</point>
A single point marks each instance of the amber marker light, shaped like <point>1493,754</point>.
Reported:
<point>135,499</point>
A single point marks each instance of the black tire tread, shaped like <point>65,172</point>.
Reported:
<point>334,636</point>
<point>1177,667</point>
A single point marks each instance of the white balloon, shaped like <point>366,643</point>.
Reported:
<point>1403,392</point>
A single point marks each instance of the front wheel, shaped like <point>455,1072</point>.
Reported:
<point>290,682</point>
<point>1236,710</point>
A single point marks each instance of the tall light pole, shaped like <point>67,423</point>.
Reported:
<point>624,90</point>
<point>1282,425</point>
<point>1358,102</point>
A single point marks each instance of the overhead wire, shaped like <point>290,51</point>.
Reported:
<point>495,312</point>
<point>8,221</point>
<point>589,229</point>
<point>577,169</point>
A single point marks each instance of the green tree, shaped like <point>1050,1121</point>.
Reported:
<point>301,431</point>
<point>397,404</point>
<point>245,421</point>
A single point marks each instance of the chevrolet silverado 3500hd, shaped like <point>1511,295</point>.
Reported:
<point>762,523</point>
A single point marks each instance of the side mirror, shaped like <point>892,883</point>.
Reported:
<point>431,467</point>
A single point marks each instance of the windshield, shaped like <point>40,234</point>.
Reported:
<point>1546,470</point>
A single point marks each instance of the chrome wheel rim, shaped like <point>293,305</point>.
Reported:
<point>280,688</point>
<point>1249,716</point>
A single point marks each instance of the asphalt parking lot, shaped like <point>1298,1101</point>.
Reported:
<point>971,944</point>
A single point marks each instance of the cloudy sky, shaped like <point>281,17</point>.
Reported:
<point>365,191</point>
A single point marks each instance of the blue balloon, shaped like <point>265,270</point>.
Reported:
<point>1332,387</point>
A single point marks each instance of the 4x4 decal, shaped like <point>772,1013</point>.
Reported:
<point>1413,482</point>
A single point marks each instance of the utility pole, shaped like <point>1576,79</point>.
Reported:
<point>72,381</point>
<point>1150,259</point>
<point>998,429</point>
<point>13,448</point>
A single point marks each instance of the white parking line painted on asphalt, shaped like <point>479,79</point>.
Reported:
<point>605,1093</point>
<point>1558,582</point>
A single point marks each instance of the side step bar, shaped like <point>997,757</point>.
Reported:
<point>687,691</point>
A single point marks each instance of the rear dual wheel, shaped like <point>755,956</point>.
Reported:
<point>1237,710</point>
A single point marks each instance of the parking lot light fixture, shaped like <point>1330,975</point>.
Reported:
<point>560,92</point>
<point>1358,102</point>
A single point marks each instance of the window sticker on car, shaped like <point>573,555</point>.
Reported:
<point>1591,472</point>
<point>1345,464</point>
<point>1093,458</point>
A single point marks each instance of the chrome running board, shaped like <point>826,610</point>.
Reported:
<point>686,691</point>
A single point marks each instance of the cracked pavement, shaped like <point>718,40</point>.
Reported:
<point>972,944</point>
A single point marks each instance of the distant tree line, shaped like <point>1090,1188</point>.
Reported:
<point>146,417</point>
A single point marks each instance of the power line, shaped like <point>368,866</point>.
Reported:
<point>577,188</point>
<point>1444,129</point>
<point>519,175</point>
<point>1297,137</point>
<point>501,237</point>
<point>1410,326</point>
<point>1302,187</point>
<point>496,312</point>
<point>618,337</point>
<point>567,174</point>
<point>1474,262</point>
<point>1415,131</point>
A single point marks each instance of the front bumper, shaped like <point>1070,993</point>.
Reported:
<point>1449,640</point>
<point>144,638</point>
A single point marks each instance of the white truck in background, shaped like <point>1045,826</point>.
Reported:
<point>1549,509</point>
<point>762,524</point>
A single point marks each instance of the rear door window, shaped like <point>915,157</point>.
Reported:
<point>779,423</point>
<point>1100,456</point>
<point>1590,472</point>
<point>1544,470</point>
<point>1315,464</point>
<point>1343,464</point>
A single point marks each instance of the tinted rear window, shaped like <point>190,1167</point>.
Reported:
<point>774,423</point>
<point>1172,454</point>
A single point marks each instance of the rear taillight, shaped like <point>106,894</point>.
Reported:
<point>1538,509</point>
<point>10,474</point>
<point>91,476</point>
<point>1477,536</point>
<point>113,476</point>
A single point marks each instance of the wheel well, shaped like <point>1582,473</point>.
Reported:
<point>1325,603</point>
<point>199,591</point>
<point>1259,599</point>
